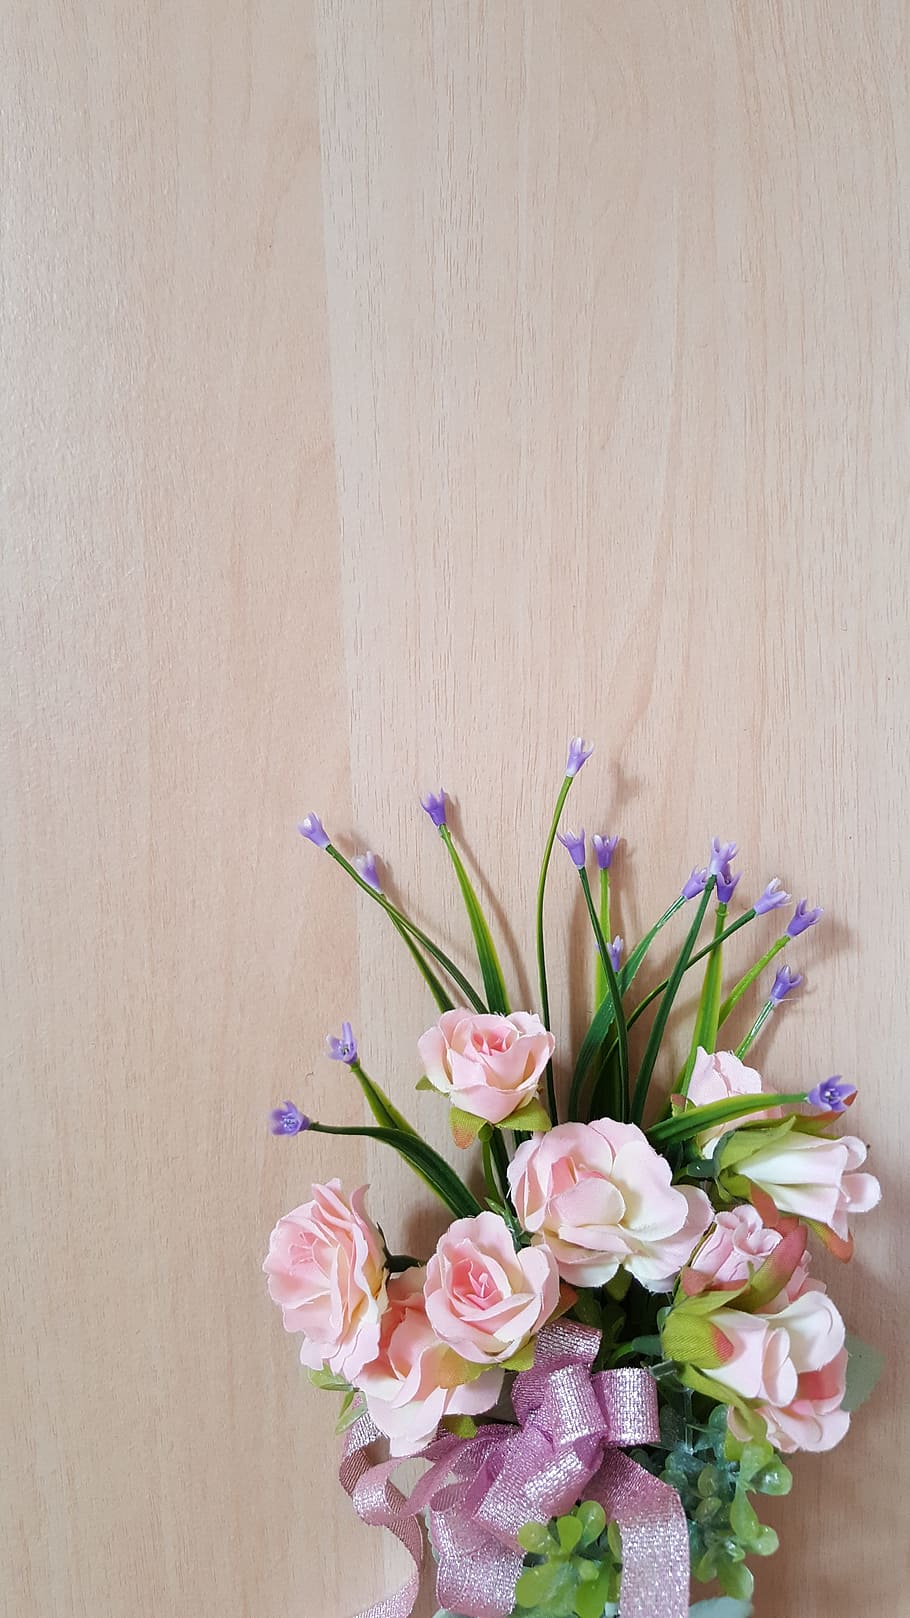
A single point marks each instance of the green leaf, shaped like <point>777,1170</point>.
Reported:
<point>569,1532</point>
<point>656,1035</point>
<point>432,1168</point>
<point>685,1125</point>
<point>432,982</point>
<point>535,1537</point>
<point>328,1380</point>
<point>865,1365</point>
<point>379,1104</point>
<point>493,980</point>
<point>351,1410</point>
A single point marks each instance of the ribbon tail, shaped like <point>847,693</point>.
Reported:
<point>378,1502</point>
<point>655,1538</point>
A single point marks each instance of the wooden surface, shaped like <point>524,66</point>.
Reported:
<point>391,390</point>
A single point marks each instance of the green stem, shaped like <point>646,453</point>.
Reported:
<point>501,1160</point>
<point>602,1020</point>
<point>491,971</point>
<point>436,988</point>
<point>746,982</point>
<point>486,1152</point>
<point>541,953</point>
<point>438,955</point>
<point>652,1048</point>
<point>615,996</point>
<point>704,1033</point>
<point>600,976</point>
<point>759,1023</point>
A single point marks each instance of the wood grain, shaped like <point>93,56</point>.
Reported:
<point>391,390</point>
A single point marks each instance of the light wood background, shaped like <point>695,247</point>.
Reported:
<point>391,390</point>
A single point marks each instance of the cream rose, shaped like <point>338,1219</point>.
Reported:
<point>598,1197</point>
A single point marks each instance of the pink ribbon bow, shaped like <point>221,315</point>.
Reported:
<point>572,1427</point>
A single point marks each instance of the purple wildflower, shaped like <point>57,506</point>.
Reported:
<point>287,1120</point>
<point>604,848</point>
<point>832,1095</point>
<point>435,805</point>
<point>574,841</point>
<point>773,897</point>
<point>802,918</point>
<point>578,752</point>
<point>695,882</point>
<point>721,855</point>
<point>783,984</point>
<point>614,951</point>
<point>726,884</point>
<point>312,828</point>
<point>365,865</point>
<point>343,1049</point>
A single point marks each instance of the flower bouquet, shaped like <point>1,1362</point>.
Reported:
<point>618,1335</point>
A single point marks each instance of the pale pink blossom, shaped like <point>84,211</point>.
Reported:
<point>783,1360</point>
<point>813,1177</point>
<point>721,1076</point>
<point>416,1379</point>
<point>483,1298</point>
<point>735,1247</point>
<point>814,1419</point>
<point>599,1196</point>
<point>326,1272</point>
<point>487,1065</point>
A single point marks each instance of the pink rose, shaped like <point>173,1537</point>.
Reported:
<point>484,1299</point>
<point>326,1270</point>
<point>486,1065</point>
<point>599,1196</point>
<point>811,1176</point>
<point>736,1245</point>
<point>415,1379</point>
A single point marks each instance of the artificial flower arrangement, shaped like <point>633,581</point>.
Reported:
<point>618,1335</point>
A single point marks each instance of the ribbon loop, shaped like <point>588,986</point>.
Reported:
<point>572,1428</point>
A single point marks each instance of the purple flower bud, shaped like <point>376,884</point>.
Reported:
<point>695,883</point>
<point>435,805</point>
<point>802,918</point>
<point>832,1095</point>
<point>726,885</point>
<point>773,897</point>
<point>721,855</point>
<point>574,841</point>
<point>783,985</point>
<point>312,828</point>
<point>287,1120</point>
<point>343,1049</point>
<point>614,951</point>
<point>365,865</point>
<point>604,848</point>
<point>578,752</point>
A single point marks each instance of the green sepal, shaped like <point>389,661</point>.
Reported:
<point>531,1117</point>
<point>743,1143</point>
<point>522,1361</point>
<point>427,1084</point>
<point>353,1406</point>
<point>465,1126</point>
<point>692,1339</point>
<point>329,1381</point>
<point>774,1273</point>
<point>460,1426</point>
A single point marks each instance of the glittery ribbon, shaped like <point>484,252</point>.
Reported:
<point>478,1492</point>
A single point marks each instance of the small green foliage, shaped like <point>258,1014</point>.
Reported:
<point>714,1474</point>
<point>573,1565</point>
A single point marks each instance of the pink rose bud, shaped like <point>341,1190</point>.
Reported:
<point>326,1271</point>
<point>792,1361</point>
<point>484,1299</point>
<point>487,1065</point>
<point>416,1379</point>
<point>735,1247</point>
<point>599,1197</point>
